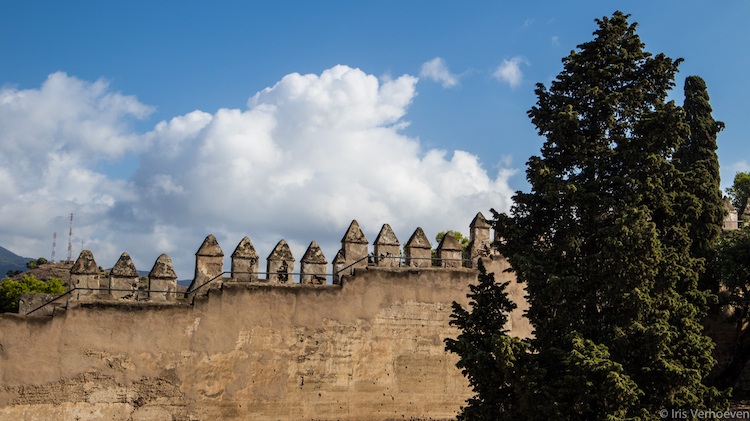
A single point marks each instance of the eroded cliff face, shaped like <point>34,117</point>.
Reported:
<point>369,349</point>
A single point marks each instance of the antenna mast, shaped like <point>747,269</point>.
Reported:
<point>54,246</point>
<point>70,239</point>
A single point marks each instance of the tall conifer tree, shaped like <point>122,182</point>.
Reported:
<point>604,247</point>
<point>488,352</point>
<point>696,158</point>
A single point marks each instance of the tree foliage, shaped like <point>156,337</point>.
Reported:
<point>488,354</point>
<point>734,269</point>
<point>33,264</point>
<point>696,158</point>
<point>603,243</point>
<point>10,290</point>
<point>740,190</point>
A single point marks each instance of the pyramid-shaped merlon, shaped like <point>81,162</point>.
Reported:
<point>279,263</point>
<point>418,240</point>
<point>479,221</point>
<point>387,251</point>
<point>124,267</point>
<point>245,262</point>
<point>339,257</point>
<point>163,268</point>
<point>84,274</point>
<point>418,250</point>
<point>314,255</point>
<point>449,251</point>
<point>209,263</point>
<point>162,279</point>
<point>449,242</point>
<point>123,279</point>
<point>386,237</point>
<point>339,262</point>
<point>210,247</point>
<point>85,264</point>
<point>354,234</point>
<point>245,250</point>
<point>313,266</point>
<point>281,252</point>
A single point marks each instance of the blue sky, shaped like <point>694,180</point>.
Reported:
<point>139,116</point>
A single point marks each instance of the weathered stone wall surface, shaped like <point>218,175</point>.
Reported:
<point>369,349</point>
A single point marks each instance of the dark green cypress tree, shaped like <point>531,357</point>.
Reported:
<point>603,244</point>
<point>488,355</point>
<point>697,160</point>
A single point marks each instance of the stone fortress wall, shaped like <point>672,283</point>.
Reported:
<point>734,219</point>
<point>369,345</point>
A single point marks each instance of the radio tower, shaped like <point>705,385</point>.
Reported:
<point>54,245</point>
<point>70,239</point>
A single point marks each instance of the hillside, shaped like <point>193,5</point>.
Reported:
<point>46,271</point>
<point>11,261</point>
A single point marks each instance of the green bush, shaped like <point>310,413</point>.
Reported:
<point>10,290</point>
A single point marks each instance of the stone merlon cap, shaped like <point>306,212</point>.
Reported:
<point>479,221</point>
<point>314,255</point>
<point>210,247</point>
<point>354,234</point>
<point>124,267</point>
<point>419,240</point>
<point>386,237</point>
<point>163,268</point>
<point>449,242</point>
<point>728,205</point>
<point>281,252</point>
<point>245,249</point>
<point>339,257</point>
<point>85,264</point>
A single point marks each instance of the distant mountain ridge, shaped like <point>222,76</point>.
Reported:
<point>12,261</point>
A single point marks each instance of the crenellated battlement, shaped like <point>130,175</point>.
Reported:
<point>734,219</point>
<point>281,266</point>
<point>360,336</point>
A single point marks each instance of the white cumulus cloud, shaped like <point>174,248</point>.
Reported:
<point>51,140</point>
<point>305,157</point>
<point>510,71</point>
<point>437,70</point>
